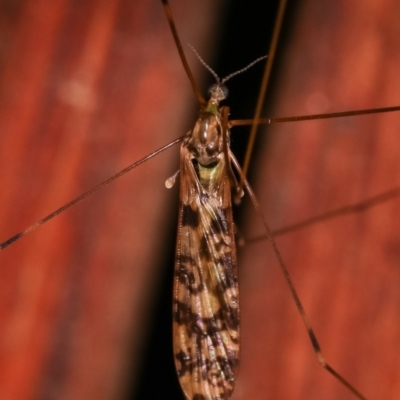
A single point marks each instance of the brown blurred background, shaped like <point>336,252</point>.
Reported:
<point>87,88</point>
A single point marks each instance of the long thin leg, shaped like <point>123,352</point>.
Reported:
<point>300,308</point>
<point>178,43</point>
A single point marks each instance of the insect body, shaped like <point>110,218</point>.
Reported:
<point>206,304</point>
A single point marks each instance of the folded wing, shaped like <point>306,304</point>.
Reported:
<point>205,308</point>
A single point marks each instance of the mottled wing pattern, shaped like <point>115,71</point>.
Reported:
<point>206,306</point>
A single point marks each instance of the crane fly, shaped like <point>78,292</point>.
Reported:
<point>80,285</point>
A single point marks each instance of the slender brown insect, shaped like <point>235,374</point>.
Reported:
<point>84,296</point>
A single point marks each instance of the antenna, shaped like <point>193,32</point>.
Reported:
<point>219,81</point>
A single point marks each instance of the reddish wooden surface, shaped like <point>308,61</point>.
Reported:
<point>342,55</point>
<point>86,88</point>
